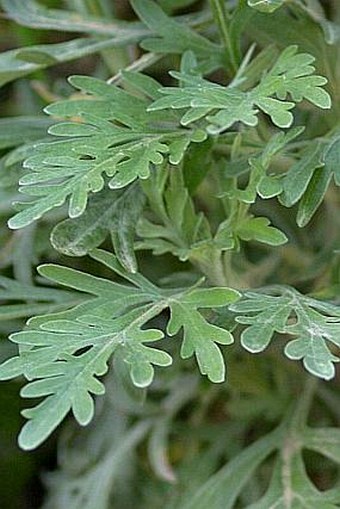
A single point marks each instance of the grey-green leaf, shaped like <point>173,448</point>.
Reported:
<point>223,488</point>
<point>314,327</point>
<point>299,175</point>
<point>109,212</point>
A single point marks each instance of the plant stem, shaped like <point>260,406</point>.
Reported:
<point>138,65</point>
<point>221,18</point>
<point>212,267</point>
<point>303,405</point>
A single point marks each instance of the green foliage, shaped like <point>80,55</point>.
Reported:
<point>290,485</point>
<point>313,323</point>
<point>174,37</point>
<point>265,5</point>
<point>105,215</point>
<point>291,74</point>
<point>40,299</point>
<point>182,232</point>
<point>175,213</point>
<point>309,178</point>
<point>114,136</point>
<point>64,353</point>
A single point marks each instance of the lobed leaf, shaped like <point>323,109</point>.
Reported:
<point>63,354</point>
<point>223,106</point>
<point>114,142</point>
<point>199,336</point>
<point>314,327</point>
<point>257,228</point>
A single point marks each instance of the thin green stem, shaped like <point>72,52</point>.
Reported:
<point>222,21</point>
<point>304,403</point>
<point>138,65</point>
<point>212,267</point>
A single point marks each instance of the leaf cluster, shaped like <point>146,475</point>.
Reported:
<point>177,207</point>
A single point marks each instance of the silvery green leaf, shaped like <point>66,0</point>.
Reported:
<point>315,327</point>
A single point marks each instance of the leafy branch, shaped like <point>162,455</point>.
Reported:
<point>114,136</point>
<point>222,106</point>
<point>63,354</point>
